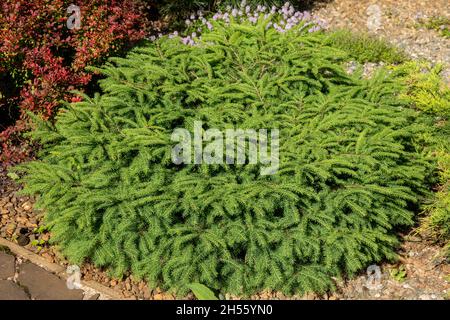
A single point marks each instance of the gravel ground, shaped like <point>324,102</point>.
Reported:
<point>399,24</point>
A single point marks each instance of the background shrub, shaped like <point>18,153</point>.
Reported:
<point>349,173</point>
<point>363,47</point>
<point>425,90</point>
<point>41,60</point>
<point>186,7</point>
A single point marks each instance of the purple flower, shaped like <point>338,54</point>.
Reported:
<point>314,29</point>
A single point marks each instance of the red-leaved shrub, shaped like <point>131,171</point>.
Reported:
<point>41,60</point>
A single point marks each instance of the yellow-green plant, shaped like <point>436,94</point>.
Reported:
<point>425,88</point>
<point>438,220</point>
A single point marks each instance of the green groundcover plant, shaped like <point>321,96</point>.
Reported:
<point>349,174</point>
<point>365,47</point>
<point>426,91</point>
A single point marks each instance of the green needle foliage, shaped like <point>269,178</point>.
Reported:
<point>426,90</point>
<point>349,174</point>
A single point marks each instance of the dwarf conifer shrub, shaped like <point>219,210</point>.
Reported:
<point>348,174</point>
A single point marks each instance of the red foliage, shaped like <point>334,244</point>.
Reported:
<point>43,60</point>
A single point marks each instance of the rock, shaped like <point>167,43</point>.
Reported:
<point>11,291</point>
<point>43,285</point>
<point>23,240</point>
<point>27,206</point>
<point>7,265</point>
<point>94,296</point>
<point>48,257</point>
<point>22,220</point>
<point>10,228</point>
<point>158,296</point>
<point>147,294</point>
<point>45,237</point>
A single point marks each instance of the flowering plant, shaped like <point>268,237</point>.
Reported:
<point>281,19</point>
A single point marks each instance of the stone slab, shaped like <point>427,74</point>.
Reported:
<point>11,291</point>
<point>43,285</point>
<point>7,268</point>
